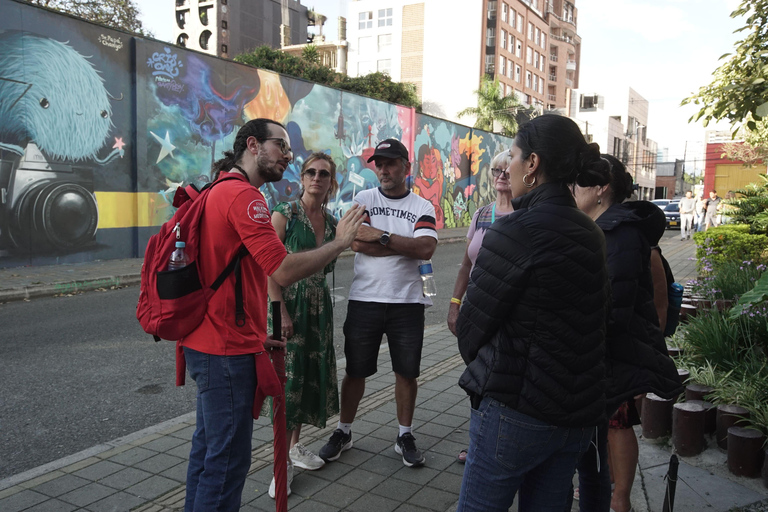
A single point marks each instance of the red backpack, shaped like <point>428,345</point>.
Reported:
<point>172,303</point>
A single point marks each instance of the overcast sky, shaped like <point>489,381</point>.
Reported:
<point>664,49</point>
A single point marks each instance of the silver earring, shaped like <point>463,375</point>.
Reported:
<point>531,184</point>
<point>599,201</point>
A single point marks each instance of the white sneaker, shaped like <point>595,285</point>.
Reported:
<point>290,481</point>
<point>304,458</point>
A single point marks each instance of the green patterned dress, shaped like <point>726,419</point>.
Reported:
<point>311,391</point>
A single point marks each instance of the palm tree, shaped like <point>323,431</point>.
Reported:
<point>492,106</point>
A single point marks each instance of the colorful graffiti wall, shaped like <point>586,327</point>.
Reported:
<point>100,127</point>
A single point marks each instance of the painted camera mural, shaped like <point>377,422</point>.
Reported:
<point>100,127</point>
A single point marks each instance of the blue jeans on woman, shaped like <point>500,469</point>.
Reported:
<point>221,445</point>
<point>510,451</point>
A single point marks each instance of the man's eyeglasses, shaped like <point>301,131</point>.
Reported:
<point>322,173</point>
<point>284,147</point>
<point>496,171</point>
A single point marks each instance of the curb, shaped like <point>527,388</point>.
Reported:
<point>118,281</point>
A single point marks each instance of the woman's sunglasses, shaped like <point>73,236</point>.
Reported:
<point>498,172</point>
<point>322,173</point>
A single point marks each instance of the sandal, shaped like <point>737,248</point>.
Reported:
<point>462,457</point>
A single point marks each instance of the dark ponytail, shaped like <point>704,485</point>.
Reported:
<point>621,180</point>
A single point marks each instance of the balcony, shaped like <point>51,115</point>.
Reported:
<point>570,65</point>
<point>569,83</point>
<point>565,39</point>
<point>551,97</point>
<point>553,57</point>
<point>553,78</point>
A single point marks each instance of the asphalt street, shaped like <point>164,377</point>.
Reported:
<point>78,370</point>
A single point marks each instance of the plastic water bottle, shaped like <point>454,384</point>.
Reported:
<point>179,258</point>
<point>427,278</point>
<point>675,295</point>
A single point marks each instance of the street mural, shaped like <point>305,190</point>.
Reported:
<point>100,128</point>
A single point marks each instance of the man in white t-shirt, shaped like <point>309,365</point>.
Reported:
<point>386,297</point>
<point>687,209</point>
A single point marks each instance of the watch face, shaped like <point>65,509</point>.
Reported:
<point>384,239</point>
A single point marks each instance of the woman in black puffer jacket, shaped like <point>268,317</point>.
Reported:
<point>637,359</point>
<point>532,329</point>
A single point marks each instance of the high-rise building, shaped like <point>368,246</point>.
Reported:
<point>228,27</point>
<point>432,43</point>
<point>532,48</point>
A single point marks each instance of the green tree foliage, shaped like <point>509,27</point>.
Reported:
<point>374,85</point>
<point>310,54</point>
<point>754,149</point>
<point>739,89</point>
<point>492,106</point>
<point>750,206</point>
<point>121,14</point>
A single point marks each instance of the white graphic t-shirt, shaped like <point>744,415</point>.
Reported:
<point>393,279</point>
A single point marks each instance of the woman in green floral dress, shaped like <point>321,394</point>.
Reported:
<point>307,311</point>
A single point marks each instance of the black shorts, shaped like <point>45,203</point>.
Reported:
<point>364,327</point>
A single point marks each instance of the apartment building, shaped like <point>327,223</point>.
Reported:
<point>432,43</point>
<point>532,48</point>
<point>618,122</point>
<point>227,28</point>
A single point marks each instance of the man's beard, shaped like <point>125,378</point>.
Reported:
<point>269,173</point>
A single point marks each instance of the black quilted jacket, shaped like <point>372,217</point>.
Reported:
<point>532,328</point>
<point>637,353</point>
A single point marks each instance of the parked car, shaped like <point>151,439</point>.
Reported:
<point>661,203</point>
<point>672,213</point>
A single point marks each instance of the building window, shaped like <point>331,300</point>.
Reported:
<point>504,12</point>
<point>384,66</point>
<point>538,36</point>
<point>224,24</point>
<point>544,40</point>
<point>204,38</point>
<point>528,79</point>
<point>385,42</point>
<point>489,67</point>
<point>520,23</point>
<point>365,20</point>
<point>511,43</point>
<point>513,18</point>
<point>519,49</point>
<point>588,102</point>
<point>510,68</point>
<point>182,40</point>
<point>224,49</point>
<point>502,65</point>
<point>492,9</point>
<point>530,31</point>
<point>518,71</point>
<point>181,18</point>
<point>536,60</point>
<point>385,17</point>
<point>529,55</point>
<point>504,39</point>
<point>541,85</point>
<point>490,37</point>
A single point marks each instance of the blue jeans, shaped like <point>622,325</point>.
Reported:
<point>509,451</point>
<point>221,445</point>
<point>594,475</point>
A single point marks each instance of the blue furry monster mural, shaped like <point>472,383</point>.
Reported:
<point>52,96</point>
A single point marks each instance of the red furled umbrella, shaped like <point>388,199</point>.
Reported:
<point>278,418</point>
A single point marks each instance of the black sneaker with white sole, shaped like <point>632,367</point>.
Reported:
<point>338,443</point>
<point>406,446</point>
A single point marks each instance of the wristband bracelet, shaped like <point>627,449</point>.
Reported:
<point>454,300</point>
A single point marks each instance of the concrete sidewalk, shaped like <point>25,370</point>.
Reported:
<point>146,471</point>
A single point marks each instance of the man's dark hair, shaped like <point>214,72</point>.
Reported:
<point>257,128</point>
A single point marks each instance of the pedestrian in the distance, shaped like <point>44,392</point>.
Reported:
<point>532,330</point>
<point>311,390</point>
<point>687,213</point>
<point>712,218</point>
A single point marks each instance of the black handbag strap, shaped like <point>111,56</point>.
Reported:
<point>235,266</point>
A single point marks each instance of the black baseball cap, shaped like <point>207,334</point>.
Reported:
<point>389,148</point>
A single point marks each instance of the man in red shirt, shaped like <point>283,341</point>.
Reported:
<point>220,352</point>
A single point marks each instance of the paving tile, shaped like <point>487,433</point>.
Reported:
<point>163,444</point>
<point>185,433</point>
<point>362,427</point>
<point>125,478</point>
<point>158,463</point>
<point>381,418</point>
<point>435,405</point>
<point>253,489</point>
<point>52,506</point>
<point>355,457</point>
<point>420,476</point>
<point>446,482</point>
<point>423,415</point>
<point>408,507</point>
<point>425,395</point>
<point>61,485</point>
<point>396,489</point>
<point>433,499</point>
<point>449,420</point>
<point>334,470</point>
<point>132,456</point>
<point>389,408</point>
<point>362,479</point>
<point>438,460</point>
<point>457,468</point>
<point>382,465</point>
<point>88,494</point>
<point>372,444</point>
<point>313,506</point>
<point>265,503</point>
<point>116,502</point>
<point>21,500</point>
<point>373,503</point>
<point>181,451</point>
<point>264,475</point>
<point>153,487</point>
<point>387,433</point>
<point>450,448</point>
<point>307,485</point>
<point>376,385</point>
<point>263,434</point>
<point>178,472</point>
<point>337,495</point>
<point>101,469</point>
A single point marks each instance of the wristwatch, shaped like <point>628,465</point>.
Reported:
<point>384,238</point>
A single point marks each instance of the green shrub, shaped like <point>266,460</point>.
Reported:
<point>730,242</point>
<point>732,279</point>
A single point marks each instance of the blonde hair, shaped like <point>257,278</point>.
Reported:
<point>332,168</point>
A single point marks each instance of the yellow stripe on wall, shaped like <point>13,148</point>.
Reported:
<point>131,209</point>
